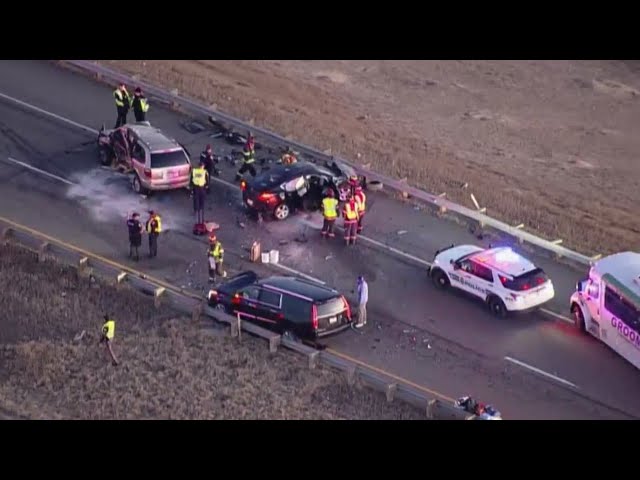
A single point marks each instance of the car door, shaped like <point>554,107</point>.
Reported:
<point>269,308</point>
<point>474,278</point>
<point>245,302</point>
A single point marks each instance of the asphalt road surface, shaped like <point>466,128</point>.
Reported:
<point>440,340</point>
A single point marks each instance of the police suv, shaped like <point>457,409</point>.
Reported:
<point>503,279</point>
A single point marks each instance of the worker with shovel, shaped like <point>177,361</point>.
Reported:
<point>108,332</point>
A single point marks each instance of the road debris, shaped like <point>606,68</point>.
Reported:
<point>79,336</point>
<point>401,232</point>
<point>64,294</point>
<point>328,257</point>
<point>283,242</point>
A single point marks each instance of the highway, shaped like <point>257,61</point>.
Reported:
<point>50,180</point>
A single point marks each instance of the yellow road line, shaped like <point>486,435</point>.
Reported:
<point>391,375</point>
<point>119,266</point>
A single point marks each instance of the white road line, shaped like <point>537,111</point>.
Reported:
<point>541,372</point>
<point>41,172</point>
<point>557,315</point>
<point>291,270</point>
<point>53,115</point>
<point>223,182</point>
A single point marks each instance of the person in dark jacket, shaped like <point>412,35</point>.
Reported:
<point>135,235</point>
<point>210,161</point>
<point>140,105</point>
<point>123,103</point>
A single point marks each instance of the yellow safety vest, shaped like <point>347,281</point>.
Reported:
<point>144,105</point>
<point>119,96</point>
<point>330,207</point>
<point>350,213</point>
<point>199,176</point>
<point>217,251</point>
<point>361,201</point>
<point>158,227</point>
<point>109,329</point>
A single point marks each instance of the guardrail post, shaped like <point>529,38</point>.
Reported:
<point>157,296</point>
<point>431,405</point>
<point>121,277</point>
<point>236,328</point>
<point>196,313</point>
<point>7,233</point>
<point>351,375</point>
<point>274,342</point>
<point>42,251</point>
<point>313,360</point>
<point>391,390</point>
<point>83,267</point>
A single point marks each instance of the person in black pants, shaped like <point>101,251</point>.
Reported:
<point>135,236</point>
<point>154,227</point>
<point>123,103</point>
<point>140,105</point>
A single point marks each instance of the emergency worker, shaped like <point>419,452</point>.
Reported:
<point>135,235</point>
<point>288,157</point>
<point>140,105</point>
<point>248,160</point>
<point>154,228</point>
<point>108,333</point>
<point>210,161</point>
<point>361,203</point>
<point>199,182</point>
<point>350,215</point>
<point>330,213</point>
<point>215,255</point>
<point>123,104</point>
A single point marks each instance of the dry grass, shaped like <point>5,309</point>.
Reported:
<point>170,368</point>
<point>551,144</point>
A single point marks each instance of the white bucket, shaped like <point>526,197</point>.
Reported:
<point>274,256</point>
<point>265,258</point>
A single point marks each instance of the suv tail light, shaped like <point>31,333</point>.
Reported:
<point>147,172</point>
<point>236,299</point>
<point>346,305</point>
<point>314,317</point>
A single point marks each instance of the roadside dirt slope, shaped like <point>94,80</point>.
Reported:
<point>170,368</point>
<point>551,144</point>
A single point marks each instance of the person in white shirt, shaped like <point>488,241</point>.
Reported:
<point>363,298</point>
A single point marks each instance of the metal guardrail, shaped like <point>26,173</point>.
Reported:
<point>401,186</point>
<point>90,266</point>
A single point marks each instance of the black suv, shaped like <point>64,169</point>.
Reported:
<point>287,305</point>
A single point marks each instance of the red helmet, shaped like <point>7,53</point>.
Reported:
<point>358,188</point>
<point>212,238</point>
<point>330,193</point>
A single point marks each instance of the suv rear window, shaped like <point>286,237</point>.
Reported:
<point>330,307</point>
<point>526,281</point>
<point>169,159</point>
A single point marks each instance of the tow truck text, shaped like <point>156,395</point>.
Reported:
<point>624,330</point>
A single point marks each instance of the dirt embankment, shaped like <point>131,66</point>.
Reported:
<point>170,367</point>
<point>551,144</point>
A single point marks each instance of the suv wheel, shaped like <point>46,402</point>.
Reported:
<point>440,279</point>
<point>289,335</point>
<point>497,307</point>
<point>578,319</point>
<point>137,185</point>
<point>282,211</point>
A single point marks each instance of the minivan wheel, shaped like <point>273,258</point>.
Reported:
<point>282,211</point>
<point>137,186</point>
<point>440,279</point>
<point>497,307</point>
<point>578,319</point>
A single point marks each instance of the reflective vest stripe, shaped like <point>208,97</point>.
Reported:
<point>120,96</point>
<point>361,201</point>
<point>144,105</point>
<point>217,251</point>
<point>248,157</point>
<point>158,228</point>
